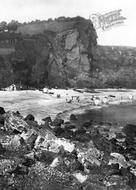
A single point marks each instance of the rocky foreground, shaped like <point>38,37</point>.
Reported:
<point>58,155</point>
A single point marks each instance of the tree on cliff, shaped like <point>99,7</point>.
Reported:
<point>12,26</point>
<point>3,26</point>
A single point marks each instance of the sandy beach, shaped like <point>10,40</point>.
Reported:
<point>42,104</point>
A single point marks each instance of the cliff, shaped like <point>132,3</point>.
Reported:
<point>114,66</point>
<point>64,53</point>
<point>55,53</point>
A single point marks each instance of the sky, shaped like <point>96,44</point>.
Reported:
<point>28,10</point>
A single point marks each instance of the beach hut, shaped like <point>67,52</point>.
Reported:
<point>12,87</point>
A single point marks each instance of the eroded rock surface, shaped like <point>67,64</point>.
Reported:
<point>34,158</point>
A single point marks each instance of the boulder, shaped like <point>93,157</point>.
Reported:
<point>45,156</point>
<point>130,130</point>
<point>118,159</point>
<point>29,155</point>
<point>47,126</point>
<point>90,154</point>
<point>67,162</point>
<point>48,119</point>
<point>57,121</point>
<point>101,143</point>
<point>80,177</point>
<point>2,110</point>
<point>67,145</point>
<point>18,113</point>
<point>28,159</point>
<point>70,126</point>
<point>20,170</point>
<point>12,143</point>
<point>13,122</point>
<point>51,143</point>
<point>33,125</point>
<point>58,131</point>
<point>68,134</point>
<point>30,141</point>
<point>73,117</point>
<point>29,117</point>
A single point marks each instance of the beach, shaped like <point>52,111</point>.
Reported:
<point>42,104</point>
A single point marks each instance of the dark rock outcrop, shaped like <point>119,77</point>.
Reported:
<point>73,117</point>
<point>57,121</point>
<point>29,117</point>
<point>32,157</point>
<point>2,110</point>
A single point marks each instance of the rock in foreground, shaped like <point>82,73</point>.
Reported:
<point>34,158</point>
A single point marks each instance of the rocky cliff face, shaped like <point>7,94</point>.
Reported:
<point>114,67</point>
<point>63,52</point>
<point>57,56</point>
<point>73,56</point>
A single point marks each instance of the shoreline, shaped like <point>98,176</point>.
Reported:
<point>42,105</point>
<point>121,98</point>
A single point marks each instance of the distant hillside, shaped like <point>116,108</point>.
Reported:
<point>62,52</point>
<point>115,66</point>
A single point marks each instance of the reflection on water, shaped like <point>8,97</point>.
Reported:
<point>120,114</point>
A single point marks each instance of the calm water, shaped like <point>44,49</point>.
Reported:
<point>120,114</point>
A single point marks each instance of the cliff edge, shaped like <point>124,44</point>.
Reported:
<point>56,53</point>
<point>63,53</point>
